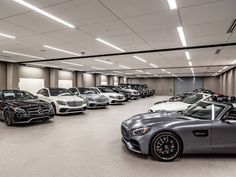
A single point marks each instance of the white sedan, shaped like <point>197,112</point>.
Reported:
<point>114,98</point>
<point>175,106</point>
<point>62,100</point>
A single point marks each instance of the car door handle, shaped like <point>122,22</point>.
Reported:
<point>200,133</point>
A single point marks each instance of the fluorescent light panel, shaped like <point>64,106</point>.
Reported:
<point>190,63</point>
<point>103,61</point>
<point>140,59</point>
<point>153,65</point>
<point>8,36</point>
<point>181,35</point>
<point>141,71</point>
<point>42,12</point>
<point>61,50</point>
<point>225,67</point>
<point>69,63</point>
<point>187,55</point>
<point>117,72</point>
<point>21,54</point>
<point>163,70</point>
<point>233,62</point>
<point>172,4</point>
<point>125,67</point>
<point>109,44</point>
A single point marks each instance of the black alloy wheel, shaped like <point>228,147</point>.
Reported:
<point>8,118</point>
<point>166,147</point>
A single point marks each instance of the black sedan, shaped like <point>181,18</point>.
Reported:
<point>18,107</point>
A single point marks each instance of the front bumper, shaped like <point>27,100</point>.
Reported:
<point>92,104</point>
<point>117,101</point>
<point>32,118</point>
<point>138,144</point>
<point>63,109</point>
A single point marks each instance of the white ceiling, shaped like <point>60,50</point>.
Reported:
<point>131,25</point>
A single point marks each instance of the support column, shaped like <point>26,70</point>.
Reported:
<point>3,75</point>
<point>110,80</point>
<point>53,77</point>
<point>12,76</point>
<point>97,79</point>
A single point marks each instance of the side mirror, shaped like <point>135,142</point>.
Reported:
<point>36,97</point>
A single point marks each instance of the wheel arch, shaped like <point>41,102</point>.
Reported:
<point>167,131</point>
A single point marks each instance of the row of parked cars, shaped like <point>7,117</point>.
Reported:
<point>198,122</point>
<point>19,107</point>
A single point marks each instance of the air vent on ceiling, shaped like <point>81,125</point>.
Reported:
<point>217,51</point>
<point>232,27</point>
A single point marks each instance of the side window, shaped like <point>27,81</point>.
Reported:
<point>40,92</point>
<point>1,96</point>
<point>231,114</point>
<point>45,93</point>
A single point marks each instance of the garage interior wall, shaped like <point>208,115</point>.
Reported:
<point>3,75</point>
<point>89,80</point>
<point>165,86</point>
<point>228,82</point>
<point>34,73</point>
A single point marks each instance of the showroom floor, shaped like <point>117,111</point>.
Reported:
<point>89,145</point>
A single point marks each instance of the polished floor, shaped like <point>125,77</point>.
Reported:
<point>88,145</point>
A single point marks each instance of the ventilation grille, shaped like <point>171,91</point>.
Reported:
<point>232,27</point>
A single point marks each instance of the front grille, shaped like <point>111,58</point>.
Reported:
<point>124,132</point>
<point>101,99</point>
<point>36,110</point>
<point>74,103</point>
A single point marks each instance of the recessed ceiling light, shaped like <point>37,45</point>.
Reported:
<point>191,69</point>
<point>93,67</point>
<point>153,65</point>
<point>140,59</point>
<point>181,35</point>
<point>128,73</point>
<point>141,71</point>
<point>172,4</point>
<point>42,12</point>
<point>122,66</point>
<point>220,71</point>
<point>8,36</point>
<point>187,55</point>
<point>168,72</point>
<point>107,62</point>
<point>163,70</point>
<point>21,54</point>
<point>109,44</point>
<point>61,50</point>
<point>190,63</point>
<point>69,63</point>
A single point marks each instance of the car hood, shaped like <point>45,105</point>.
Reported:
<point>26,103</point>
<point>150,119</point>
<point>94,96</point>
<point>169,106</point>
<point>111,94</point>
<point>68,98</point>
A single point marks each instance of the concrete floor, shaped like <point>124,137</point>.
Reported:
<point>88,145</point>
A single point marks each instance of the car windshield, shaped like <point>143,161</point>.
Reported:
<point>192,99</point>
<point>203,111</point>
<point>88,91</point>
<point>17,95</point>
<point>60,92</point>
<point>105,90</point>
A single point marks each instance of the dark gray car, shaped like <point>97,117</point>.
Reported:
<point>92,96</point>
<point>207,127</point>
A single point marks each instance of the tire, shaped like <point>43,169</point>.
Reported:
<point>54,108</point>
<point>166,147</point>
<point>8,118</point>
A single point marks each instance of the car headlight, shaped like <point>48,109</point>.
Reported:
<point>20,111</point>
<point>90,99</point>
<point>61,102</point>
<point>141,131</point>
<point>112,97</point>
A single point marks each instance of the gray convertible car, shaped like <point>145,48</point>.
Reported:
<point>92,96</point>
<point>207,127</point>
